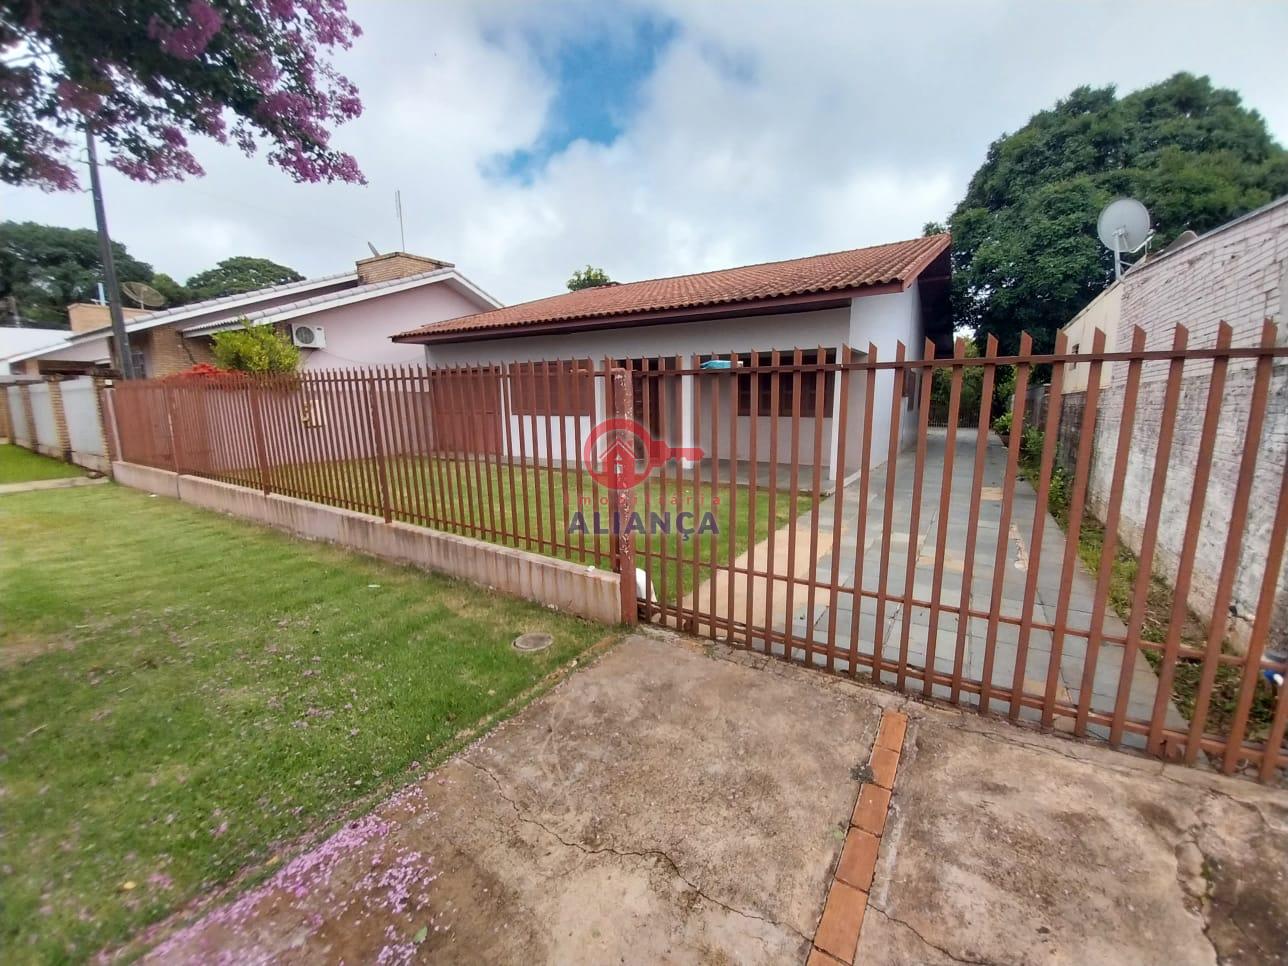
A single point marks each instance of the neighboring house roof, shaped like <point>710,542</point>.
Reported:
<point>330,300</point>
<point>231,309</point>
<point>226,302</point>
<point>892,266</point>
<point>17,341</point>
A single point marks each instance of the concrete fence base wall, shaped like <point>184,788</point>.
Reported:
<point>572,588</point>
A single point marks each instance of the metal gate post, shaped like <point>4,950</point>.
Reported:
<point>624,505</point>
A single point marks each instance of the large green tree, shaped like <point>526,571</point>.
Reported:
<point>1025,252</point>
<point>45,267</point>
<point>239,274</point>
<point>588,277</point>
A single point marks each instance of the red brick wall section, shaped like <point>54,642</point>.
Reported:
<point>167,351</point>
<point>60,418</point>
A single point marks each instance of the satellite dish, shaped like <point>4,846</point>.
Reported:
<point>144,294</point>
<point>1123,226</point>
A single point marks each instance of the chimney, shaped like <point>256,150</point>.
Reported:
<point>384,268</point>
<point>88,316</point>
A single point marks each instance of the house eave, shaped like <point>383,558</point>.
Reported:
<point>773,306</point>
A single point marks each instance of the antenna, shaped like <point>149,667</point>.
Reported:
<point>402,234</point>
<point>144,294</point>
<point>1123,227</point>
<point>374,251</point>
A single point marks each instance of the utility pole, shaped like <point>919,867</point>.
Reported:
<point>120,339</point>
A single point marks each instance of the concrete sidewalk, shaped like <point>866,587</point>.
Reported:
<point>678,802</point>
<point>1007,846</point>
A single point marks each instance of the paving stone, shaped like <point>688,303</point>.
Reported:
<point>870,809</point>
<point>838,930</point>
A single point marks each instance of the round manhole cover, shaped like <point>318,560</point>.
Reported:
<point>532,642</point>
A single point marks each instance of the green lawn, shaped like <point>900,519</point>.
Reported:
<point>18,465</point>
<point>183,695</point>
<point>539,509</point>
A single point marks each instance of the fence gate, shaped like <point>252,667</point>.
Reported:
<point>844,509</point>
<point>857,537</point>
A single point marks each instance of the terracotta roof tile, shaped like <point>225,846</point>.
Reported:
<point>898,262</point>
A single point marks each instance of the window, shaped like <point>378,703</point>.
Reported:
<point>559,388</point>
<point>786,380</point>
<point>140,370</point>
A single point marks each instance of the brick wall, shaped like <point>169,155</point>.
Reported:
<point>1234,275</point>
<point>166,351</point>
<point>384,268</point>
<point>88,316</point>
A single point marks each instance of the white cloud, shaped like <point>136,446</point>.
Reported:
<point>766,131</point>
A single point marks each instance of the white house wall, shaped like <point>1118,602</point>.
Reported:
<point>882,320</point>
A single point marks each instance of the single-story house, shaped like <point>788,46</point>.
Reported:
<point>349,316</point>
<point>880,295</point>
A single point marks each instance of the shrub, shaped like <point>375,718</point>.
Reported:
<point>1002,424</point>
<point>255,348</point>
<point>1031,445</point>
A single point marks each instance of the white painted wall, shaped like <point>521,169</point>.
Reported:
<point>880,319</point>
<point>1104,312</point>
<point>18,420</point>
<point>84,428</point>
<point>884,321</point>
<point>42,413</point>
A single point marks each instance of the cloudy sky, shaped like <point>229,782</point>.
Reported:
<point>666,137</point>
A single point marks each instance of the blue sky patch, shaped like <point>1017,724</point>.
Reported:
<point>599,73</point>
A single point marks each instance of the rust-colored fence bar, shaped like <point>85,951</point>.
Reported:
<point>840,434</point>
<point>887,521</point>
<point>497,452</point>
<point>1068,565</point>
<point>1003,526</point>
<point>1193,524</point>
<point>922,395</point>
<point>1234,543</point>
<point>1122,456</point>
<point>945,501</point>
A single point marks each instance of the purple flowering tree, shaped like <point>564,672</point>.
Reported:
<point>150,74</point>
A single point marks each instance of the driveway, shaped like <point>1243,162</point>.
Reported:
<point>680,803</point>
<point>1020,557</point>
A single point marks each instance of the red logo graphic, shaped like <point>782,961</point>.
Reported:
<point>622,453</point>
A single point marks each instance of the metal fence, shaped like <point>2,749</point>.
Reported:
<point>801,504</point>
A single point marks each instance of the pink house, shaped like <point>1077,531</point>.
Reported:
<point>338,321</point>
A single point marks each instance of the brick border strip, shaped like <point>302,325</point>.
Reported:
<point>836,940</point>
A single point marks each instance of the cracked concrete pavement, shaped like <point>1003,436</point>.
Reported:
<point>1007,846</point>
<point>677,802</point>
<point>659,806</point>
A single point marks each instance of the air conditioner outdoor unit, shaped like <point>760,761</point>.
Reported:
<point>308,336</point>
